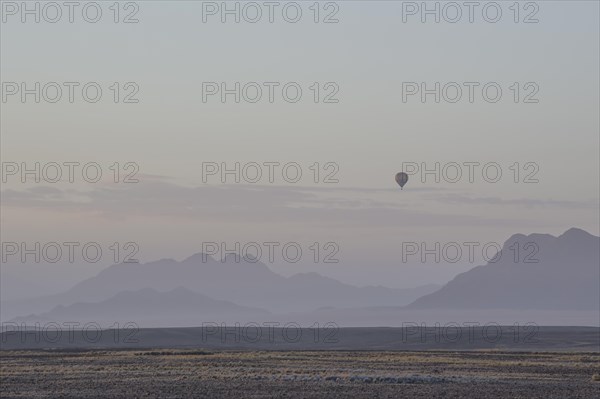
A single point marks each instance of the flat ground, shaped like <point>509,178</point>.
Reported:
<point>298,374</point>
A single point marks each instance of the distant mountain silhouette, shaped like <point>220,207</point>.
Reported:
<point>566,277</point>
<point>179,307</point>
<point>248,282</point>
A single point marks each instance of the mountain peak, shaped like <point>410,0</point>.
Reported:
<point>199,257</point>
<point>547,272</point>
<point>575,232</point>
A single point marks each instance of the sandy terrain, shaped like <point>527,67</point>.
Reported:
<point>298,374</point>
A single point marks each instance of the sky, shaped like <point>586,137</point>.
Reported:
<point>358,135</point>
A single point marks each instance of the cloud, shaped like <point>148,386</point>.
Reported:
<point>331,206</point>
<point>521,202</point>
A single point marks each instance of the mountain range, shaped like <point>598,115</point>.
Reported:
<point>538,273</point>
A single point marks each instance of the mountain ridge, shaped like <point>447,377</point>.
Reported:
<point>538,278</point>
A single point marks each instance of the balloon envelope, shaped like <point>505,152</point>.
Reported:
<point>401,179</point>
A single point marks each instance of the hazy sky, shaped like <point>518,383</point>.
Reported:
<point>368,134</point>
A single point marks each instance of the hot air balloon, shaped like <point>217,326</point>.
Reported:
<point>401,179</point>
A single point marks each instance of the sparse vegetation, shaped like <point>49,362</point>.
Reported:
<point>173,353</point>
<point>197,373</point>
